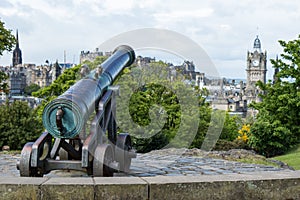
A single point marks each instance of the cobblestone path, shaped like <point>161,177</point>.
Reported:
<point>159,163</point>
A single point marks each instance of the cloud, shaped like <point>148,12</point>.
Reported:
<point>5,4</point>
<point>8,9</point>
<point>224,29</point>
<point>182,15</point>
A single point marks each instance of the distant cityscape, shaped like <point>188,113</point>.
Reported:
<point>232,95</point>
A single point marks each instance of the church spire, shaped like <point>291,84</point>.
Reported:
<point>17,53</point>
<point>17,37</point>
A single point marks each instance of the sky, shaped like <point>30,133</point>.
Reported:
<point>225,30</point>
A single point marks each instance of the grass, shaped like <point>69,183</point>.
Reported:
<point>257,162</point>
<point>292,158</point>
<point>249,159</point>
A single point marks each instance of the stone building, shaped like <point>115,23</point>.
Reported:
<point>43,75</point>
<point>92,55</point>
<point>143,61</point>
<point>17,80</point>
<point>40,75</point>
<point>256,70</point>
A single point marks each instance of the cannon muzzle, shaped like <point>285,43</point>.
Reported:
<point>66,116</point>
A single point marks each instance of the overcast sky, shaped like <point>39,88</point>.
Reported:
<point>224,29</point>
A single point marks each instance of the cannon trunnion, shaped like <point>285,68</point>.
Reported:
<point>71,143</point>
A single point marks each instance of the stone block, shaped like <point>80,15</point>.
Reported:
<point>250,186</point>
<point>20,188</point>
<point>71,188</point>
<point>112,188</point>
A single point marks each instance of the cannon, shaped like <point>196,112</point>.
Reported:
<point>81,129</point>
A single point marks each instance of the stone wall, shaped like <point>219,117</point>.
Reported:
<point>266,185</point>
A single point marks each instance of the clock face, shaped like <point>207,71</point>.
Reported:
<point>255,62</point>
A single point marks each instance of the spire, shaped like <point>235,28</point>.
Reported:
<point>257,44</point>
<point>17,53</point>
<point>17,37</point>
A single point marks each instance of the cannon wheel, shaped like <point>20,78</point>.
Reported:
<point>122,150</point>
<point>25,162</point>
<point>103,157</point>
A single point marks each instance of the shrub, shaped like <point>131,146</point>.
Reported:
<point>18,125</point>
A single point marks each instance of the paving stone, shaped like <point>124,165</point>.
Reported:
<point>160,163</point>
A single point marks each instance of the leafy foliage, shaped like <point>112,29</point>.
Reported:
<point>155,99</point>
<point>204,123</point>
<point>231,127</point>
<point>3,82</point>
<point>18,125</point>
<point>276,128</point>
<point>7,40</point>
<point>153,109</point>
<point>31,88</point>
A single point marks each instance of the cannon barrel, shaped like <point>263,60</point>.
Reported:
<point>65,117</point>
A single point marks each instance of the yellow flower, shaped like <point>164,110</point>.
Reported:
<point>245,138</point>
<point>244,132</point>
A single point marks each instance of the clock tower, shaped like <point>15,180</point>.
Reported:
<point>256,68</point>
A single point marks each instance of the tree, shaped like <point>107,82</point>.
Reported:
<point>277,126</point>
<point>18,125</point>
<point>156,110</point>
<point>147,108</point>
<point>204,123</point>
<point>231,127</point>
<point>3,82</point>
<point>7,40</point>
<point>31,88</point>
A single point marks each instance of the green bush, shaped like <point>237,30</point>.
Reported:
<point>270,138</point>
<point>18,125</point>
<point>231,127</point>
